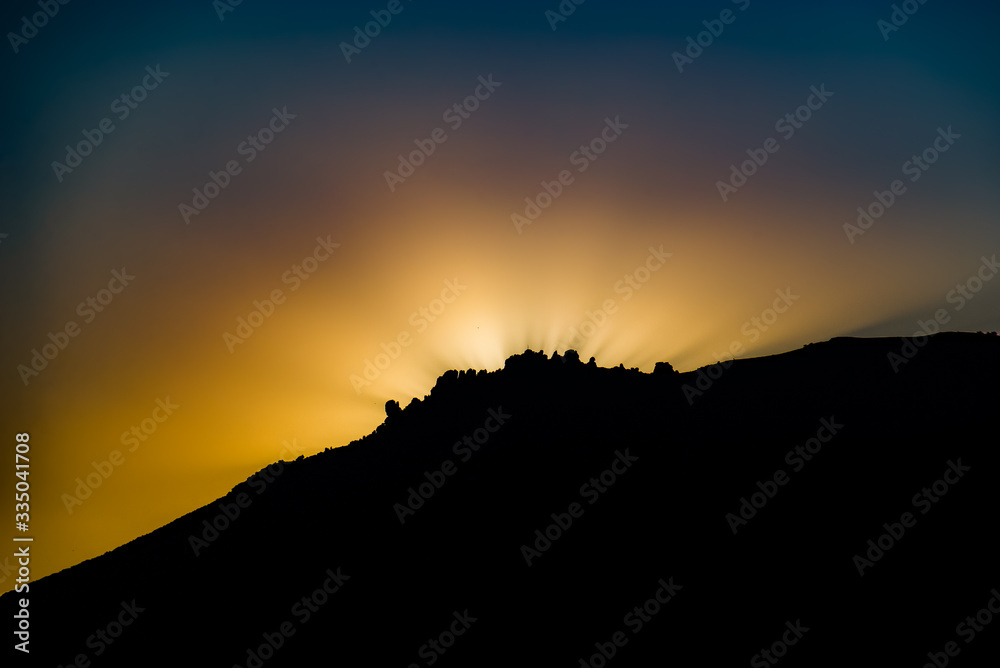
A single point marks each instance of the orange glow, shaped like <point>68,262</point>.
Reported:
<point>290,381</point>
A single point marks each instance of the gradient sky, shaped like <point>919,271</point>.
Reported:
<point>287,388</point>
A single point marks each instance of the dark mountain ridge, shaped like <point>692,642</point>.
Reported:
<point>539,514</point>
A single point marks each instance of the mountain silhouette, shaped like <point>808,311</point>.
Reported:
<point>557,513</point>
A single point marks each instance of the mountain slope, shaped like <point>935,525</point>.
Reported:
<point>638,481</point>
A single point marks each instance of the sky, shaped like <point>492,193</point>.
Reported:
<point>232,232</point>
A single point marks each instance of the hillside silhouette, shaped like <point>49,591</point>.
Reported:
<point>417,546</point>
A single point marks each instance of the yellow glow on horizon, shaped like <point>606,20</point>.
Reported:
<point>291,380</point>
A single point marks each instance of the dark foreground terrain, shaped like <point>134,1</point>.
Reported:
<point>819,506</point>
